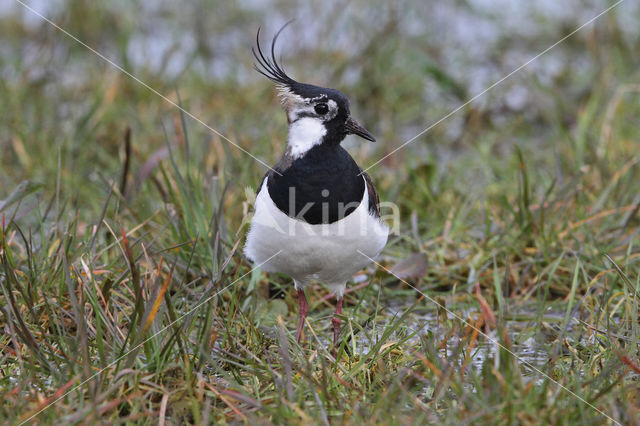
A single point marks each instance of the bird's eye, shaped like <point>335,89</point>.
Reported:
<point>321,108</point>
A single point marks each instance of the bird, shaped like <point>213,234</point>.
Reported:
<point>316,213</point>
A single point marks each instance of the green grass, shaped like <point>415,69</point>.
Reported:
<point>122,222</point>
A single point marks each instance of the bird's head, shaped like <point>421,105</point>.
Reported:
<point>316,115</point>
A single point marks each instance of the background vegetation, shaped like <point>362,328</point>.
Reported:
<point>124,293</point>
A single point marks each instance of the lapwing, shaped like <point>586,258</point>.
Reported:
<point>316,206</point>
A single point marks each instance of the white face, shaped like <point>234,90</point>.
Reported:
<point>306,119</point>
<point>321,108</point>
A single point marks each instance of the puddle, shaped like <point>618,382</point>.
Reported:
<point>532,353</point>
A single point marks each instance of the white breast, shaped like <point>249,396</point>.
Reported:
<point>325,252</point>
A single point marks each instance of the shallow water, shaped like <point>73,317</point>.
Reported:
<point>533,354</point>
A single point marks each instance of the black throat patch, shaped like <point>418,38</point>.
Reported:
<point>323,186</point>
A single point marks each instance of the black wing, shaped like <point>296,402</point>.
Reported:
<point>374,200</point>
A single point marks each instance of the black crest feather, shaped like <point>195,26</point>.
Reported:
<point>269,67</point>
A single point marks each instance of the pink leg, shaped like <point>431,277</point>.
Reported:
<point>303,310</point>
<point>336,326</point>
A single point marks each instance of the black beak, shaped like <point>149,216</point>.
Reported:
<point>354,128</point>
